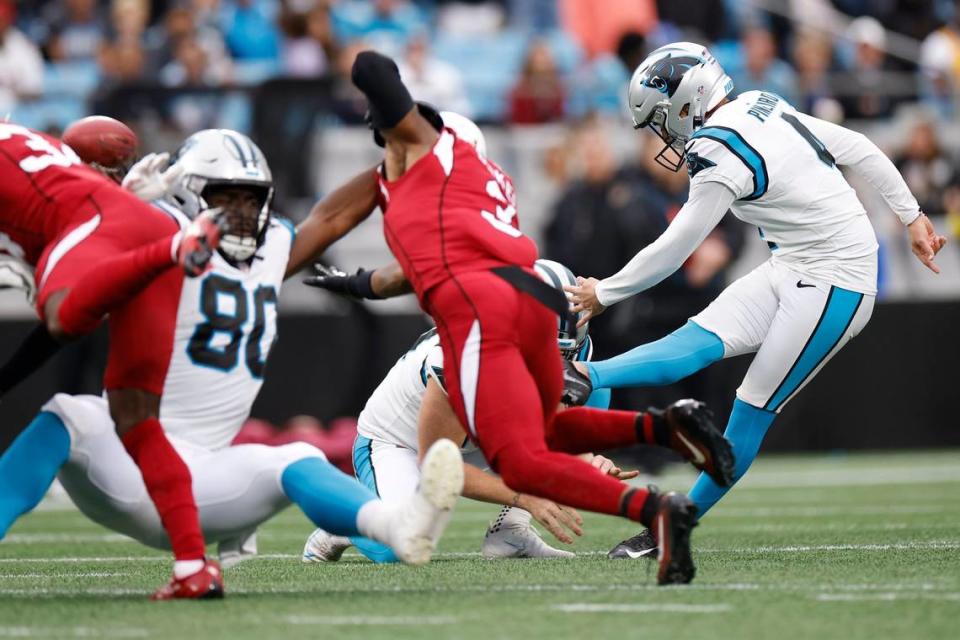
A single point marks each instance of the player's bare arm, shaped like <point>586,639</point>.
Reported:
<point>407,135</point>
<point>332,217</point>
<point>437,420</point>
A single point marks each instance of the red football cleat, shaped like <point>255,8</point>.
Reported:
<point>206,584</point>
<point>198,242</point>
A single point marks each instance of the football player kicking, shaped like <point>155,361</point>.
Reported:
<point>97,249</point>
<point>450,221</point>
<point>223,329</point>
<point>409,411</point>
<point>779,169</point>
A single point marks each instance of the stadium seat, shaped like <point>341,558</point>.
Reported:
<point>49,112</point>
<point>78,78</point>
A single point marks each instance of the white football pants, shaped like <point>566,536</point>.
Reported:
<point>795,324</point>
<point>235,488</point>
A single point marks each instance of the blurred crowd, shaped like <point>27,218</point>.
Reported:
<point>518,61</point>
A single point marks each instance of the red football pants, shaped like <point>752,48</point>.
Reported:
<point>503,373</point>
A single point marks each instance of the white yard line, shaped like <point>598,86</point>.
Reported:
<point>667,607</point>
<point>76,574</point>
<point>370,620</point>
<point>888,596</point>
<point>25,631</point>
<point>900,546</point>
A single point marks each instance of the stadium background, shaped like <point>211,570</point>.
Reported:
<point>547,82</point>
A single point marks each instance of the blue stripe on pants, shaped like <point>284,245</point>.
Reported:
<point>838,313</point>
<point>363,469</point>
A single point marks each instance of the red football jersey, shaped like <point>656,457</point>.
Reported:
<point>43,183</point>
<point>452,212</point>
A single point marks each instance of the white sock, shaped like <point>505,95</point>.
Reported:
<point>373,521</point>
<point>517,516</point>
<point>185,568</point>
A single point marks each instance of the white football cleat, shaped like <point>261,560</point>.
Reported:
<point>324,547</point>
<point>420,521</point>
<point>512,536</point>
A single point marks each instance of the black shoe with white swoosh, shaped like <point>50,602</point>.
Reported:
<point>694,436</point>
<point>642,545</point>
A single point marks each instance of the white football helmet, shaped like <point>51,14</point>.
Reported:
<point>672,91</point>
<point>218,158</point>
<point>466,129</point>
<point>570,338</point>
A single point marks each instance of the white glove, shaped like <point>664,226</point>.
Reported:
<point>17,274</point>
<point>147,181</point>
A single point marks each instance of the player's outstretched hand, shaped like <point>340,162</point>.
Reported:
<point>555,518</point>
<point>609,467</point>
<point>583,297</point>
<point>148,179</point>
<point>925,242</point>
<point>357,286</point>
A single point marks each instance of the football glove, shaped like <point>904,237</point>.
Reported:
<point>357,286</point>
<point>148,180</point>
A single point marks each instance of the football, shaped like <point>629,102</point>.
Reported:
<point>103,141</point>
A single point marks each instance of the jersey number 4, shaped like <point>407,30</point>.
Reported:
<point>821,149</point>
<point>214,289</point>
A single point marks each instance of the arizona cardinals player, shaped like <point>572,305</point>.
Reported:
<point>224,327</point>
<point>450,221</point>
<point>98,249</point>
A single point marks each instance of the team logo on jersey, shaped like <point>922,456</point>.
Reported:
<point>697,163</point>
<point>665,74</point>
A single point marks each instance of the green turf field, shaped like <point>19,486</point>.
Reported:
<point>848,547</point>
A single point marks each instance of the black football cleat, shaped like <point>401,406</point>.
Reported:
<point>676,517</point>
<point>576,386</point>
<point>642,545</point>
<point>694,436</point>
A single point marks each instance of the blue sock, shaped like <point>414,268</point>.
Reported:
<point>673,357</point>
<point>326,495</point>
<point>29,466</point>
<point>745,431</point>
<point>363,464</point>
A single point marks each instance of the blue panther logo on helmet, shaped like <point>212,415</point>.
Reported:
<point>665,74</point>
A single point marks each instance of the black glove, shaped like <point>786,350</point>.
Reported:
<point>357,286</point>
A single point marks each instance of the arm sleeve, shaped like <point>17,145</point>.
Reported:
<point>856,151</point>
<point>706,206</point>
<point>378,78</point>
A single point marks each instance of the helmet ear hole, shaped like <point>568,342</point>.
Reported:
<point>685,110</point>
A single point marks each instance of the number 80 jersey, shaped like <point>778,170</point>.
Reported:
<point>787,183</point>
<point>226,325</point>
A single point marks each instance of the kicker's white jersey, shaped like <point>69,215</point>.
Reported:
<point>392,411</point>
<point>788,185</point>
<point>226,326</point>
